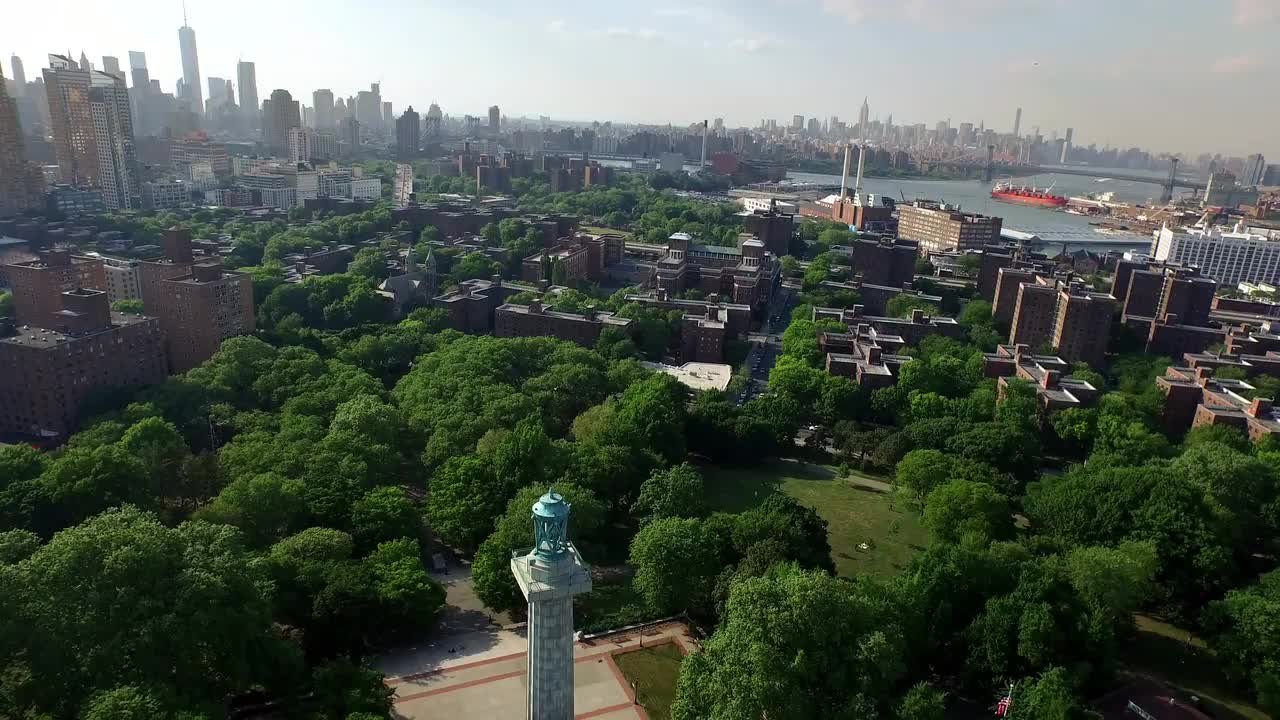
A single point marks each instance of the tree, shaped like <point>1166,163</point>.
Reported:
<point>796,644</point>
<point>346,690</point>
<point>265,507</point>
<point>384,514</point>
<point>131,306</point>
<point>465,497</point>
<point>408,599</point>
<point>922,701</point>
<point>6,303</point>
<point>1244,632</point>
<point>920,471</point>
<point>1076,427</point>
<point>1049,697</point>
<point>161,450</point>
<point>962,508</point>
<point>674,492</point>
<point>430,234</point>
<point>21,492</point>
<point>181,589</point>
<point>676,562</point>
<point>369,263</point>
<point>85,481</point>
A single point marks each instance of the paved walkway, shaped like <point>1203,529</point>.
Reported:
<point>482,675</point>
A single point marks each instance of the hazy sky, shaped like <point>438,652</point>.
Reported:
<point>1187,75</point>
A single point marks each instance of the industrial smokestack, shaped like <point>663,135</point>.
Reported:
<point>844,176</point>
<point>704,145</point>
<point>857,185</point>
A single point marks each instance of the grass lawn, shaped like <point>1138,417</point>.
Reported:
<point>854,514</point>
<point>1181,659</point>
<point>653,671</point>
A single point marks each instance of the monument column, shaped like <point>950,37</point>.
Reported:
<point>549,576</point>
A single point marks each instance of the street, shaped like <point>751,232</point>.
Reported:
<point>766,345</point>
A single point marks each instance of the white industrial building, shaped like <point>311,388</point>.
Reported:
<point>1230,257</point>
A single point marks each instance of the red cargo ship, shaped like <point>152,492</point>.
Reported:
<point>1005,192</point>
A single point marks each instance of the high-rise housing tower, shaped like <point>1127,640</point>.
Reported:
<point>1017,122</point>
<point>190,66</point>
<point>247,77</point>
<point>322,100</point>
<point>408,131</point>
<point>74,145</point>
<point>113,130</point>
<point>495,119</point>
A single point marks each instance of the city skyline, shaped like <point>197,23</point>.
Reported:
<point>1087,75</point>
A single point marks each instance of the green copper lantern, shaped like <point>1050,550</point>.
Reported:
<point>551,526</point>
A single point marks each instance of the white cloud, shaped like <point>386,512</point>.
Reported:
<point>753,44</point>
<point>687,12</point>
<point>932,12</point>
<point>626,33</point>
<point>1236,64</point>
<point>1256,12</point>
<point>557,26</point>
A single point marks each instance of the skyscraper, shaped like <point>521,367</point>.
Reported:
<point>247,77</point>
<point>495,119</point>
<point>113,131</point>
<point>21,183</point>
<point>141,94</point>
<point>1066,146</point>
<point>1017,122</point>
<point>279,113</point>
<point>190,67</point>
<point>111,66</point>
<point>19,76</point>
<point>408,131</point>
<point>388,120</point>
<point>1255,168</point>
<point>368,108</point>
<point>322,100</point>
<point>74,145</point>
<point>864,119</point>
<point>434,116</point>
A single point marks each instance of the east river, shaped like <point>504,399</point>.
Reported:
<point>1054,226</point>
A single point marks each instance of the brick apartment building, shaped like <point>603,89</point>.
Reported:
<point>38,285</point>
<point>1055,390</point>
<point>1062,314</point>
<point>575,260</point>
<point>201,309</point>
<point>939,227</point>
<point>534,320</point>
<point>880,260</point>
<point>773,228</point>
<point>45,374</point>
<point>1195,398</point>
<point>909,331</point>
<point>1155,290</point>
<point>705,325</point>
<point>1009,281</point>
<point>861,357</point>
<point>175,262</point>
<point>470,307</point>
<point>744,275</point>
